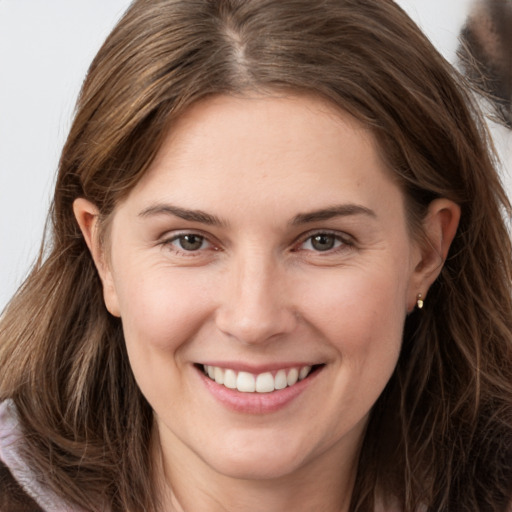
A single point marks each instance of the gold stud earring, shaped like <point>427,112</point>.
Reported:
<point>419,301</point>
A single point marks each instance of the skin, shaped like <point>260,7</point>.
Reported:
<point>257,291</point>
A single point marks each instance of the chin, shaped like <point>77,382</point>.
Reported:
<point>258,459</point>
<point>260,468</point>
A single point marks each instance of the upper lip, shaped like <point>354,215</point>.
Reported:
<point>256,369</point>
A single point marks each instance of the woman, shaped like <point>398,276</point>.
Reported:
<point>279,277</point>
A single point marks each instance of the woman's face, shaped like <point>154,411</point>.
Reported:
<point>266,247</point>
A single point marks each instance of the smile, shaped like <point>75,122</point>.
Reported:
<point>266,382</point>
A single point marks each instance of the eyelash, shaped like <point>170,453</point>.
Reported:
<point>169,242</point>
<point>342,242</point>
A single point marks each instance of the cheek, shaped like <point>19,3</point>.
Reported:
<point>359,297</point>
<point>160,308</point>
<point>361,314</point>
<point>161,313</point>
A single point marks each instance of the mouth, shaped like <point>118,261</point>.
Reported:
<point>266,382</point>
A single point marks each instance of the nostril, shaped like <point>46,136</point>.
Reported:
<point>259,325</point>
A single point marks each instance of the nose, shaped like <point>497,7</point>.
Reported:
<point>255,302</point>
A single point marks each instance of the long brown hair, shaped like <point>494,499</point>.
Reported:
<point>441,433</point>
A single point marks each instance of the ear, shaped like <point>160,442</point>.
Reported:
<point>439,228</point>
<point>87,215</point>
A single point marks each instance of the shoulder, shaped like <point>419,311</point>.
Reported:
<point>12,496</point>
<point>21,488</point>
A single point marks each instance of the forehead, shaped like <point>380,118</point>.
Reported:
<point>270,151</point>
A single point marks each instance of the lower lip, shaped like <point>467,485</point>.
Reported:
<point>257,403</point>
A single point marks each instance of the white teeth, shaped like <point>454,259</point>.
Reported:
<point>280,380</point>
<point>230,379</point>
<point>246,382</point>
<point>293,376</point>
<point>266,382</point>
<point>304,372</point>
<point>219,376</point>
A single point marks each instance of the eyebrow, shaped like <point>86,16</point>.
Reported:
<point>212,220</point>
<point>344,210</point>
<point>182,213</point>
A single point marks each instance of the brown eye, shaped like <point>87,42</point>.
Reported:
<point>189,242</point>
